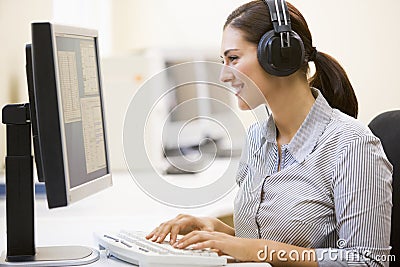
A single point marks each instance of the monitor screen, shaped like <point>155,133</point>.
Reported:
<point>81,108</point>
<point>69,112</point>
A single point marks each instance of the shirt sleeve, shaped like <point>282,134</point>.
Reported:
<point>362,192</point>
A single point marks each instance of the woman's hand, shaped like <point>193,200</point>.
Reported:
<point>181,224</point>
<point>242,249</point>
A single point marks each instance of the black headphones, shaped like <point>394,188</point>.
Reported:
<point>280,51</point>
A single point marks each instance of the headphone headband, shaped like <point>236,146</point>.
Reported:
<point>280,16</point>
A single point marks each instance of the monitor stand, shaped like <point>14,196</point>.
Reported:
<point>21,250</point>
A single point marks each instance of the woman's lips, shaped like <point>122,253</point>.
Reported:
<point>238,88</point>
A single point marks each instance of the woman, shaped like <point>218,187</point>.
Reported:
<point>311,177</point>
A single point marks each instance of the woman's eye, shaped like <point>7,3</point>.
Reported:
<point>232,58</point>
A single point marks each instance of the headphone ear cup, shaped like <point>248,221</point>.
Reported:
<point>264,46</point>
<point>269,54</point>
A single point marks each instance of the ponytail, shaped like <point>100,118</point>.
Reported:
<point>331,79</point>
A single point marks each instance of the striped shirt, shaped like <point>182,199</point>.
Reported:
<point>333,189</point>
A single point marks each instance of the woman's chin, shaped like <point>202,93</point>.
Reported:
<point>242,104</point>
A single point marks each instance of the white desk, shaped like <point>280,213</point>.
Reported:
<point>122,206</point>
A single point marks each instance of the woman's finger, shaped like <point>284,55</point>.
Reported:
<point>173,234</point>
<point>163,232</point>
<point>213,244</point>
<point>157,232</point>
<point>193,238</point>
<point>150,235</point>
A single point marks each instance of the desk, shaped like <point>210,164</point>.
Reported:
<point>123,206</point>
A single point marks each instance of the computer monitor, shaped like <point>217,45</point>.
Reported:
<point>69,112</point>
<point>69,136</point>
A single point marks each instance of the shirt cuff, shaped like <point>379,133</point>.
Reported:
<point>328,257</point>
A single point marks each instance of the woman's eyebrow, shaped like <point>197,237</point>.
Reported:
<point>229,50</point>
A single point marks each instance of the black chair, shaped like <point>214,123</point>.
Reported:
<point>386,127</point>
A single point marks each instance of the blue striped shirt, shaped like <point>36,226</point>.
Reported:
<point>333,188</point>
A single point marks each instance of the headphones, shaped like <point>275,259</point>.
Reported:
<point>280,51</point>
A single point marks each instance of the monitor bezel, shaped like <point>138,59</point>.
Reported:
<point>79,192</point>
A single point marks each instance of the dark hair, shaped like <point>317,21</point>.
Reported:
<point>253,19</point>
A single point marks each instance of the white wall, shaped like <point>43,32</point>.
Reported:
<point>15,18</point>
<point>362,35</point>
<point>172,23</point>
<point>93,14</point>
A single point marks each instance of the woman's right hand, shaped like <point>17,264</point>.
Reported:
<point>181,224</point>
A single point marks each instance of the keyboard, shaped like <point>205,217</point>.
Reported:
<point>133,247</point>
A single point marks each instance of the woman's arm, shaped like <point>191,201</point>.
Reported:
<point>222,227</point>
<point>255,250</point>
<point>362,194</point>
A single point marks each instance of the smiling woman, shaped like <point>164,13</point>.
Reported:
<point>311,177</point>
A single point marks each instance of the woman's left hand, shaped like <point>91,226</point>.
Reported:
<point>242,249</point>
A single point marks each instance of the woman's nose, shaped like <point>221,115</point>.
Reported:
<point>226,74</point>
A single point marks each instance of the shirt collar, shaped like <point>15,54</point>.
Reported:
<point>307,136</point>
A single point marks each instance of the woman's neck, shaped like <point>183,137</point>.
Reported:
<point>290,106</point>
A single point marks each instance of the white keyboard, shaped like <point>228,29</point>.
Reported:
<point>133,247</point>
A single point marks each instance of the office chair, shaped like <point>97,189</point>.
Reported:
<point>386,127</point>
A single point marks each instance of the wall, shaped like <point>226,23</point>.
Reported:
<point>94,14</point>
<point>172,23</point>
<point>361,35</point>
<point>15,18</point>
